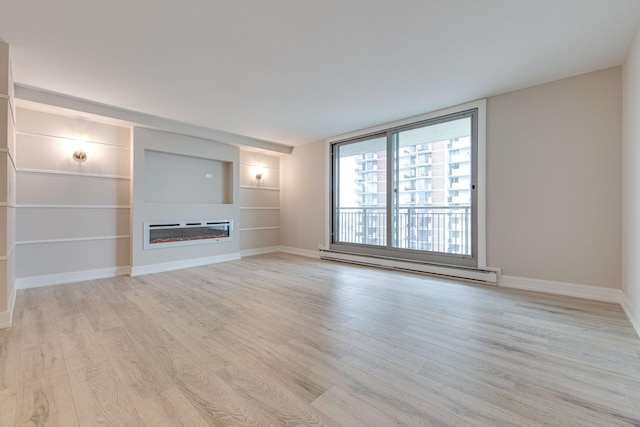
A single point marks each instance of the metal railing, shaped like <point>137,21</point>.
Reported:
<point>444,229</point>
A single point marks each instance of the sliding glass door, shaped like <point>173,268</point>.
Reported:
<point>361,192</point>
<point>409,192</point>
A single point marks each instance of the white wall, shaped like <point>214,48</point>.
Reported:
<point>161,259</point>
<point>553,183</point>
<point>631,180</point>
<point>554,180</point>
<point>304,197</point>
<point>259,224</point>
<point>72,219</point>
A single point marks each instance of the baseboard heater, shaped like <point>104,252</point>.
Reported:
<point>486,276</point>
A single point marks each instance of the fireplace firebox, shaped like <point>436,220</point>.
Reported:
<point>183,233</point>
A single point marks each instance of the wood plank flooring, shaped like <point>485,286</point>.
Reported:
<point>283,340</point>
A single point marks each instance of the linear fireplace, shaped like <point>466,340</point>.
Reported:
<point>182,233</point>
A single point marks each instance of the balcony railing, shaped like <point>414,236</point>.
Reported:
<point>444,229</point>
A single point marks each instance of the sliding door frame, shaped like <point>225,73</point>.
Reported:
<point>477,258</point>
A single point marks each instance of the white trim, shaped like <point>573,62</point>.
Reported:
<point>481,188</point>
<point>72,239</point>
<point>297,251</point>
<point>327,196</point>
<point>596,293</point>
<point>632,312</point>
<point>259,208</point>
<point>258,165</point>
<point>75,276</point>
<point>42,96</point>
<point>71,206</point>
<point>453,272</point>
<point>259,251</point>
<point>256,187</point>
<point>187,263</point>
<point>42,135</point>
<point>83,174</point>
<point>6,317</point>
<point>3,96</point>
<point>408,121</point>
<point>260,228</point>
<point>4,150</point>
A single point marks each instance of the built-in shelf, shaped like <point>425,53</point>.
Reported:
<point>71,239</point>
<point>254,165</point>
<point>72,206</point>
<point>259,228</point>
<point>54,172</point>
<point>42,135</point>
<point>256,187</point>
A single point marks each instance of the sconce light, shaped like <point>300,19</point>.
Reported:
<point>258,176</point>
<point>79,156</point>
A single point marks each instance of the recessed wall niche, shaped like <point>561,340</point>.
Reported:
<point>176,178</point>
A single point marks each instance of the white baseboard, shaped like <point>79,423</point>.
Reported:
<point>287,249</point>
<point>6,317</point>
<point>633,313</point>
<point>187,263</point>
<point>561,288</point>
<point>75,276</point>
<point>259,251</point>
<point>297,251</point>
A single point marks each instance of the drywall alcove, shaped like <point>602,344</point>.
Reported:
<point>176,178</point>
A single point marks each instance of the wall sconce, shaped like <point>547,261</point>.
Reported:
<point>79,156</point>
<point>259,173</point>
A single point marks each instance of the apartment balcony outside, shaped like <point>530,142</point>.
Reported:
<point>459,144</point>
<point>459,197</point>
<point>460,158</point>
<point>419,228</point>
<point>462,169</point>
<point>461,185</point>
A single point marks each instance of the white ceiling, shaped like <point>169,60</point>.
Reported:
<point>295,71</point>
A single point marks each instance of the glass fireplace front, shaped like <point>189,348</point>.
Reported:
<point>166,234</point>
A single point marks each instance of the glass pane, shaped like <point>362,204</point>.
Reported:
<point>361,205</point>
<point>432,209</point>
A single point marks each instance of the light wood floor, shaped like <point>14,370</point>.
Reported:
<point>284,340</point>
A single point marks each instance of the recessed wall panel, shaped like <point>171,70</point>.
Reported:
<point>252,218</point>
<point>269,177</point>
<point>59,223</point>
<point>50,189</point>
<point>69,213</point>
<point>42,123</point>
<point>55,154</point>
<point>176,178</point>
<point>255,239</point>
<point>66,257</point>
<point>251,197</point>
